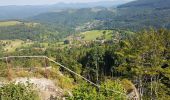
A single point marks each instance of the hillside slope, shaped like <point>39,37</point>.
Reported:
<point>10,30</point>
<point>135,15</point>
<point>25,11</point>
<point>147,3</point>
<point>142,14</point>
<point>75,18</point>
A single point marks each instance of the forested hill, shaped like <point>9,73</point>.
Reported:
<point>147,3</point>
<point>142,14</point>
<point>75,18</point>
<point>26,30</point>
<point>135,15</point>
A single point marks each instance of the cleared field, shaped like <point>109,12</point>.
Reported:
<point>92,35</point>
<point>9,23</point>
<point>12,23</point>
<point>11,45</point>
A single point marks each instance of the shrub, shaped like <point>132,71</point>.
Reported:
<point>18,92</point>
<point>87,92</point>
<point>128,85</point>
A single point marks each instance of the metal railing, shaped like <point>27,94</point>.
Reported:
<point>51,60</point>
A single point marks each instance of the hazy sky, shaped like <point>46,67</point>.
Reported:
<point>42,2</point>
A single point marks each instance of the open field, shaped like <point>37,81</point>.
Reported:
<point>9,23</point>
<point>92,35</point>
<point>11,45</point>
<point>12,23</point>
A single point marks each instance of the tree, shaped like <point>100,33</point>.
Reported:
<point>94,63</point>
<point>143,56</point>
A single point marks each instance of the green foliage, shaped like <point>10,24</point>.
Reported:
<point>28,31</point>
<point>108,94</point>
<point>145,55</point>
<point>94,63</point>
<point>1,49</point>
<point>18,92</point>
<point>142,58</point>
<point>84,92</point>
<point>87,92</point>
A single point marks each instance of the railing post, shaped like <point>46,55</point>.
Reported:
<point>46,65</point>
<point>6,58</point>
<point>9,73</point>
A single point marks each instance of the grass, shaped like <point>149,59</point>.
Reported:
<point>92,35</point>
<point>9,23</point>
<point>13,44</point>
<point>13,23</point>
<point>109,35</point>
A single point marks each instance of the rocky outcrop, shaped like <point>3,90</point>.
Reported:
<point>47,89</point>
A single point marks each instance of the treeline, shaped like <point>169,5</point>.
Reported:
<point>32,32</point>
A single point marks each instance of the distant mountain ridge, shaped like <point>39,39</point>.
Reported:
<point>25,11</point>
<point>144,13</point>
<point>87,5</point>
<point>147,3</point>
<point>135,15</point>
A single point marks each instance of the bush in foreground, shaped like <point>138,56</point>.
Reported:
<point>18,92</point>
<point>87,92</point>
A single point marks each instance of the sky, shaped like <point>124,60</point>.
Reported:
<point>44,2</point>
